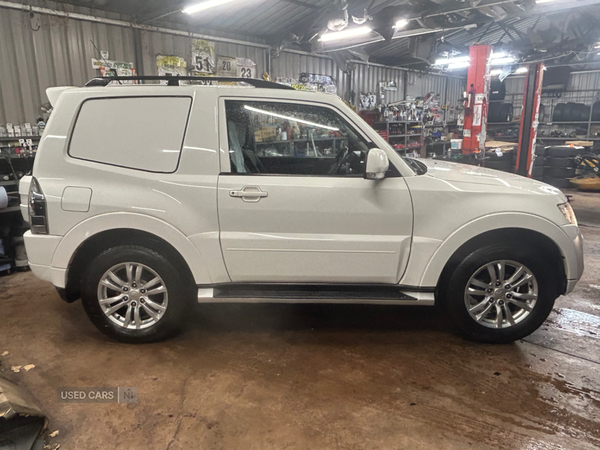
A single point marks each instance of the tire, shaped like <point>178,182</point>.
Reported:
<point>544,282</point>
<point>559,111</point>
<point>177,296</point>
<point>493,113</point>
<point>584,112</point>
<point>506,111</point>
<point>560,183</point>
<point>560,162</point>
<point>562,152</point>
<point>505,166</point>
<point>568,112</point>
<point>560,172</point>
<point>540,150</point>
<point>537,172</point>
<point>596,112</point>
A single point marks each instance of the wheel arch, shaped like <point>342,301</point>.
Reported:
<point>91,236</point>
<point>525,229</point>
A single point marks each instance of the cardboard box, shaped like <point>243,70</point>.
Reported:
<point>258,137</point>
<point>269,133</point>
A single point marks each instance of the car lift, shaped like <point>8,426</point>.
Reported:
<point>476,109</point>
<point>476,105</point>
<point>530,117</point>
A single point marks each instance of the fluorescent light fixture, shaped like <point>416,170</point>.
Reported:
<point>537,2</point>
<point>305,122</point>
<point>522,70</point>
<point>502,61</point>
<point>204,5</point>
<point>401,24</point>
<point>350,32</point>
<point>459,65</point>
<point>457,59</point>
<point>495,72</point>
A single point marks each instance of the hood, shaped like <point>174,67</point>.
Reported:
<point>466,173</point>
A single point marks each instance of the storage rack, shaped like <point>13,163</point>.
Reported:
<point>290,143</point>
<point>399,132</point>
<point>440,146</point>
<point>20,163</point>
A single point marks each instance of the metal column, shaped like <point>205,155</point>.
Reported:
<point>529,119</point>
<point>476,108</point>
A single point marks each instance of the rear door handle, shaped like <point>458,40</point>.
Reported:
<point>250,194</point>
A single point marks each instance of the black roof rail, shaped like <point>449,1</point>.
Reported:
<point>174,81</point>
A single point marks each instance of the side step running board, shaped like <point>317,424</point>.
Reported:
<point>384,295</point>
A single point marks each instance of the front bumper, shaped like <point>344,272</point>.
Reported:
<point>574,264</point>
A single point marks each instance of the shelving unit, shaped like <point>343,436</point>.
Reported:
<point>440,146</point>
<point>17,138</point>
<point>291,144</point>
<point>398,132</point>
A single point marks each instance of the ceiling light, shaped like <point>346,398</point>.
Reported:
<point>351,32</point>
<point>537,2</point>
<point>293,119</point>
<point>204,5</point>
<point>459,65</point>
<point>502,61</point>
<point>495,72</point>
<point>457,59</point>
<point>522,70</point>
<point>401,24</point>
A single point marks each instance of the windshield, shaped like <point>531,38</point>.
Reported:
<point>417,166</point>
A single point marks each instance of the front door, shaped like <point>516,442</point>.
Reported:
<point>294,206</point>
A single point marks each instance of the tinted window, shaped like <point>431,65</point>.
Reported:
<point>144,133</point>
<point>292,139</point>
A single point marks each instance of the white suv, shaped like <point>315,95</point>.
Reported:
<point>145,198</point>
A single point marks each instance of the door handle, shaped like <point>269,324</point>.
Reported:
<point>250,194</point>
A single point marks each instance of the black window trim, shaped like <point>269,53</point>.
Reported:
<point>395,173</point>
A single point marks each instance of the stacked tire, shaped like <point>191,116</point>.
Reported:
<point>500,112</point>
<point>575,112</point>
<point>505,163</point>
<point>560,165</point>
<point>539,166</point>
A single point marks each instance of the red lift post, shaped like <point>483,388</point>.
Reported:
<point>476,106</point>
<point>530,117</point>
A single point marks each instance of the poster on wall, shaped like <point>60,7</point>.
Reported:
<point>171,66</point>
<point>236,67</point>
<point>246,68</point>
<point>109,68</point>
<point>227,66</point>
<point>203,57</point>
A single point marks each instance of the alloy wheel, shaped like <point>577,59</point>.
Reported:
<point>132,295</point>
<point>501,294</point>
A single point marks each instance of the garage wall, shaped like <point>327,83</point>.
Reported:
<point>583,87</point>
<point>59,53</point>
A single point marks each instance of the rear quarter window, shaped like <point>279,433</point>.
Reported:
<point>142,133</point>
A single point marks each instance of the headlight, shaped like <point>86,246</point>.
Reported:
<point>567,211</point>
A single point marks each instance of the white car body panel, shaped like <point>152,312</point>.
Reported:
<point>303,232</point>
<point>307,230</point>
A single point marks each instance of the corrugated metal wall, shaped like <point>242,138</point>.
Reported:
<point>60,53</point>
<point>583,87</point>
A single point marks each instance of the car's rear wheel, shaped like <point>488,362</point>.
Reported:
<point>501,293</point>
<point>134,294</point>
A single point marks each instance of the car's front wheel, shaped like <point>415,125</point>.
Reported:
<point>501,293</point>
<point>134,294</point>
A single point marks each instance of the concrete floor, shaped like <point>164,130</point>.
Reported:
<point>316,377</point>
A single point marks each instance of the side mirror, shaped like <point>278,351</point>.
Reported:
<point>377,164</point>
